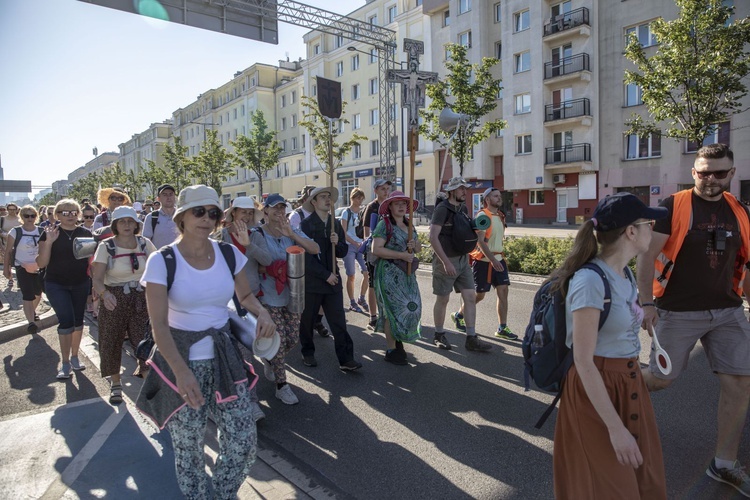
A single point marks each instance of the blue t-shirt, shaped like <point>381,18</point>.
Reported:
<point>618,337</point>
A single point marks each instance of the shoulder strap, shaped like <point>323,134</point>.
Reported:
<point>228,252</point>
<point>349,218</point>
<point>170,261</point>
<point>141,243</point>
<point>110,244</point>
<point>154,220</point>
<point>17,235</point>
<point>607,290</point>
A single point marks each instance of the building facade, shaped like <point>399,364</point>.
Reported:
<point>147,145</point>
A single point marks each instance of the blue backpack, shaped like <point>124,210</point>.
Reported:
<point>548,359</point>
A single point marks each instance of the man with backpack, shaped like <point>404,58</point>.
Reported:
<point>452,238</point>
<point>368,219</point>
<point>350,221</point>
<point>158,225</point>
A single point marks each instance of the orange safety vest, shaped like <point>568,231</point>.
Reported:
<point>477,254</point>
<point>682,221</point>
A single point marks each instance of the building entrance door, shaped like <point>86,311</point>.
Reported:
<point>562,206</point>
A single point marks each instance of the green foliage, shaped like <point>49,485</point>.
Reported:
<point>177,165</point>
<point>114,176</point>
<point>258,151</point>
<point>85,187</point>
<point>320,133</point>
<point>695,78</point>
<point>426,254</point>
<point>473,91</point>
<point>151,177</point>
<point>213,164</point>
<point>47,200</point>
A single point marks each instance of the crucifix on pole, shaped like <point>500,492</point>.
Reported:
<point>413,84</point>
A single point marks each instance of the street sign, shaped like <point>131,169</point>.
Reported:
<point>15,186</point>
<point>233,18</point>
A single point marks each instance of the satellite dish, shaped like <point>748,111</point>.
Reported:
<point>448,120</point>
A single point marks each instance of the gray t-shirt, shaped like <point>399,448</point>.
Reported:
<point>165,232</point>
<point>618,337</point>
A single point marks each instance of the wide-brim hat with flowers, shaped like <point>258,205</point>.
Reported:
<point>396,196</point>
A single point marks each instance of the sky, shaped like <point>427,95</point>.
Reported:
<point>74,76</point>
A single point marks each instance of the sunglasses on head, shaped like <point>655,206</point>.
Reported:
<point>717,174</point>
<point>213,213</point>
<point>116,198</point>
<point>66,213</point>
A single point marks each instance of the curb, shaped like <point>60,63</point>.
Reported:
<point>46,320</point>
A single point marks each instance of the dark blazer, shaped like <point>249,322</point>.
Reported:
<point>319,267</point>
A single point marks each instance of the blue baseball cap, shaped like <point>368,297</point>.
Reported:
<point>622,209</point>
<point>273,200</point>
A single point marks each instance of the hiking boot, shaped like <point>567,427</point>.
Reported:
<point>363,304</point>
<point>286,395</point>
<point>350,366</point>
<point>735,477</point>
<point>441,341</point>
<point>309,360</point>
<point>506,334</point>
<point>76,364</point>
<point>257,412</point>
<point>355,308</point>
<point>321,329</point>
<point>459,322</point>
<point>474,344</point>
<point>396,356</point>
<point>32,329</point>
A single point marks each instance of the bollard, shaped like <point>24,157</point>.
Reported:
<point>295,275</point>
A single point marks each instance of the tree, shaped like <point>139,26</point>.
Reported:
<point>133,184</point>
<point>258,151</point>
<point>114,176</point>
<point>320,133</point>
<point>695,79</point>
<point>152,177</point>
<point>86,187</point>
<point>213,164</point>
<point>473,92</point>
<point>177,164</point>
<point>47,200</point>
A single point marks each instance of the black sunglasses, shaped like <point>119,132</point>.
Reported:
<point>718,174</point>
<point>89,216</point>
<point>29,216</point>
<point>213,213</point>
<point>117,198</point>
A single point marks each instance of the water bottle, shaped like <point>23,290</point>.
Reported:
<point>538,339</point>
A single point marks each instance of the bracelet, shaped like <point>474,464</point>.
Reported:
<point>648,304</point>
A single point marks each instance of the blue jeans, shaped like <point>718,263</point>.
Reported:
<point>69,303</point>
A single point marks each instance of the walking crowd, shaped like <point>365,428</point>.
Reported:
<point>179,268</point>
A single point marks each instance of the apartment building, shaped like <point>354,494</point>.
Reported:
<point>147,145</point>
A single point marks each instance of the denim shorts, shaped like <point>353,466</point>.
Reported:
<point>349,261</point>
<point>69,303</point>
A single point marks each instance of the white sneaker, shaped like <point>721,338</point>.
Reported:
<point>257,412</point>
<point>268,371</point>
<point>286,395</point>
<point>76,364</point>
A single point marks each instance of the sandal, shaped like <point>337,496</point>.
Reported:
<point>115,394</point>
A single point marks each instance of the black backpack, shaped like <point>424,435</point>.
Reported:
<point>359,229</point>
<point>548,359</point>
<point>463,236</point>
<point>145,346</point>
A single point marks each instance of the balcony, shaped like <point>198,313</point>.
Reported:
<point>568,67</point>
<point>567,21</point>
<point>567,110</point>
<point>565,155</point>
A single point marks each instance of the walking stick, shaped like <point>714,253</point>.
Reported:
<point>330,185</point>
<point>413,143</point>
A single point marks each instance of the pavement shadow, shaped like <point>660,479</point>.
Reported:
<point>23,372</point>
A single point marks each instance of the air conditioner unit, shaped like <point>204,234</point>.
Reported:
<point>558,178</point>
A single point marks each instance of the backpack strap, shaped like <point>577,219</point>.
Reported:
<point>154,221</point>
<point>170,260</point>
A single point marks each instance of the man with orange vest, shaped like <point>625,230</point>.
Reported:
<point>695,268</point>
<point>489,267</point>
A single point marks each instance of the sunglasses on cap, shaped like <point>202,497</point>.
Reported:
<point>213,213</point>
<point>718,174</point>
<point>66,213</point>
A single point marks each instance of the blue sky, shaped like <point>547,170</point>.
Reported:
<point>74,76</point>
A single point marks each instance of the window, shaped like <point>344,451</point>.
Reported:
<point>373,86</point>
<point>283,101</point>
<point>374,147</point>
<point>559,10</point>
<point>314,90</point>
<point>338,41</point>
<point>498,50</point>
<point>299,166</point>
<point>464,6</point>
<point>294,143</point>
<point>523,103</point>
<point>633,95</point>
<point>356,152</point>
<point>355,62</point>
<point>355,92</point>
<point>316,49</point>
<point>465,39</point>
<point>446,18</point>
<point>235,113</point>
<point>523,62</point>
<point>374,116</point>
<point>500,93</point>
<point>392,13</point>
<point>293,97</point>
<point>523,144</point>
<point>718,133</point>
<point>373,20</point>
<point>500,133</point>
<point>356,122</point>
<point>521,21</point>
<point>642,33</point>
<point>340,127</point>
<point>536,197</point>
<point>283,123</point>
<point>498,12</point>
<point>643,147</point>
<point>339,68</point>
<point>294,120</point>
<point>283,145</point>
<point>242,110</point>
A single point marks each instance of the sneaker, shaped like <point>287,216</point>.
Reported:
<point>286,395</point>
<point>459,322</point>
<point>76,364</point>
<point>354,307</point>
<point>363,304</point>
<point>32,329</point>
<point>735,477</point>
<point>257,412</point>
<point>396,356</point>
<point>506,334</point>
<point>64,372</point>
<point>309,360</point>
<point>36,317</point>
<point>321,329</point>
<point>441,341</point>
<point>268,371</point>
<point>474,344</point>
<point>350,366</point>
<point>373,322</point>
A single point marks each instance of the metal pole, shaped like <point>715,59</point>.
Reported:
<point>413,142</point>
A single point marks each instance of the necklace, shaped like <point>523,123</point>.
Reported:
<point>70,236</point>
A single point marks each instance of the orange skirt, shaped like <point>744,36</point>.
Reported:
<point>584,462</point>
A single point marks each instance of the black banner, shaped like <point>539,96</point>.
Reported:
<point>329,98</point>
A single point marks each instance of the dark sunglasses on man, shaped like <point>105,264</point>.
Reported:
<point>717,174</point>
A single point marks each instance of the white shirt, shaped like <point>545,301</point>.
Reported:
<point>295,220</point>
<point>28,247</point>
<point>198,298</point>
<point>121,271</point>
